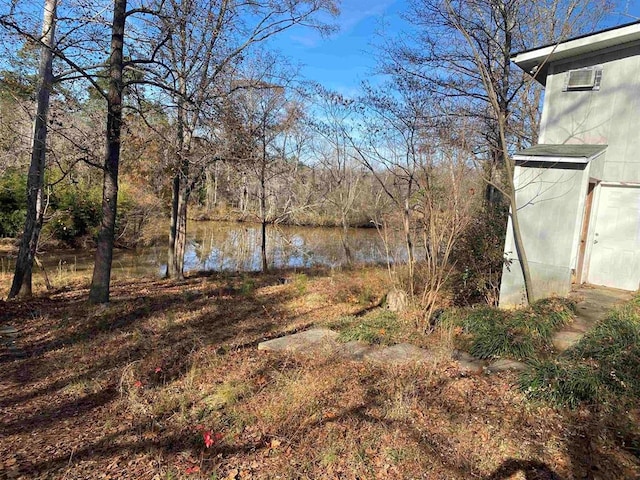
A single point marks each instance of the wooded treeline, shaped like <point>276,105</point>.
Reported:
<point>151,108</point>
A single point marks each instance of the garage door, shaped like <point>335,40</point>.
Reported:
<point>615,254</point>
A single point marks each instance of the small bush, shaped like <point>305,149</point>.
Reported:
<point>488,332</point>
<point>601,369</point>
<point>248,286</point>
<point>479,255</point>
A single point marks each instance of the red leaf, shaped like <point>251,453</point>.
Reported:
<point>208,439</point>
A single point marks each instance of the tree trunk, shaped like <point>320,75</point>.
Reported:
<point>517,235</point>
<point>345,241</point>
<point>172,267</point>
<point>178,232</point>
<point>100,282</point>
<point>181,232</point>
<point>180,193</point>
<point>521,251</point>
<point>21,285</point>
<point>211,180</point>
<point>406,217</point>
<point>493,196</point>
<point>263,246</point>
<point>263,211</point>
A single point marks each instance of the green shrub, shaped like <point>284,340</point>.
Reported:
<point>13,203</point>
<point>479,255</point>
<point>601,369</point>
<point>77,211</point>
<point>523,334</point>
<point>248,286</point>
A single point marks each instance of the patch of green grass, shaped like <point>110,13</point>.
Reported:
<point>300,282</point>
<point>397,455</point>
<point>366,296</point>
<point>247,287</point>
<point>600,369</point>
<point>377,327</point>
<point>330,455</point>
<point>560,382</point>
<point>342,323</point>
<point>227,394</point>
<point>523,334</point>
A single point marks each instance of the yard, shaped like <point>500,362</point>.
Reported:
<point>166,382</point>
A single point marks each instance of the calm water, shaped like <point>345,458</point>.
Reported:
<point>219,246</point>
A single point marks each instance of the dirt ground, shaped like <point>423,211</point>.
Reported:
<point>166,382</point>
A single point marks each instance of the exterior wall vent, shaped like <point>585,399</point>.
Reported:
<point>583,79</point>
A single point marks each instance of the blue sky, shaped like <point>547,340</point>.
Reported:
<point>345,58</point>
<point>341,61</point>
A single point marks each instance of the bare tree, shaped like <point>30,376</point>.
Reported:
<point>21,284</point>
<point>101,280</point>
<point>395,121</point>
<point>265,115</point>
<point>206,41</point>
<point>445,63</point>
<point>460,53</point>
<point>80,54</point>
<point>344,183</point>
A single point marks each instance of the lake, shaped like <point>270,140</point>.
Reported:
<point>230,246</point>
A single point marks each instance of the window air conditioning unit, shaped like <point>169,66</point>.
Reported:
<point>583,79</point>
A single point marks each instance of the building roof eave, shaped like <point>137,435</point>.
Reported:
<point>536,61</point>
<point>560,153</point>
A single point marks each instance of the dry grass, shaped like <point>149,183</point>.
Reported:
<point>130,390</point>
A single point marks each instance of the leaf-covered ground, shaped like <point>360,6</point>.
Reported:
<point>166,382</point>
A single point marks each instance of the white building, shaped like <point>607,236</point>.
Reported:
<point>578,191</point>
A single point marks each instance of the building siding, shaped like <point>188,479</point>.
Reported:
<point>606,116</point>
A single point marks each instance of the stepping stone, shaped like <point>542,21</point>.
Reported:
<point>399,354</point>
<point>505,364</point>
<point>468,364</point>
<point>471,368</point>
<point>566,339</point>
<point>353,350</point>
<point>311,341</point>
<point>322,340</point>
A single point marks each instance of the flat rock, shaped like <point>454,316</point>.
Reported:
<point>468,364</point>
<point>475,367</point>
<point>464,356</point>
<point>566,339</point>
<point>399,354</point>
<point>504,364</point>
<point>314,340</point>
<point>353,350</point>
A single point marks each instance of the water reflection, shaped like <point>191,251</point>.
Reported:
<point>220,246</point>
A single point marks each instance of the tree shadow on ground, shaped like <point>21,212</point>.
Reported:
<point>113,446</point>
<point>56,336</point>
<point>531,470</point>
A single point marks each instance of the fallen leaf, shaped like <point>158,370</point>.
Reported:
<point>233,474</point>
